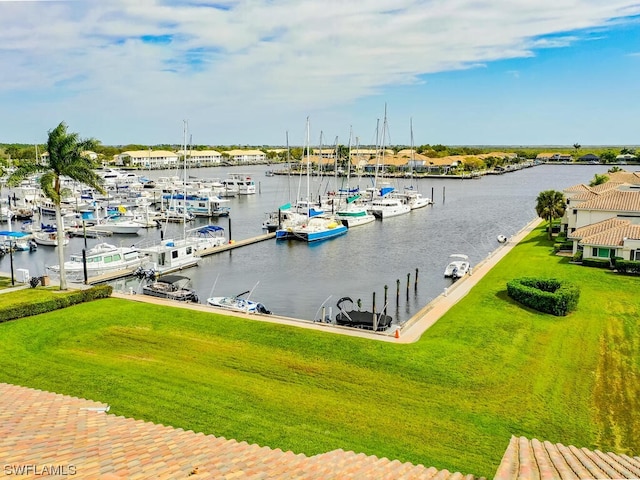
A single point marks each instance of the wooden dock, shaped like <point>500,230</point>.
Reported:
<point>107,277</point>
<point>235,244</point>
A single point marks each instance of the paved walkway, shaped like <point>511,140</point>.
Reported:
<point>410,332</point>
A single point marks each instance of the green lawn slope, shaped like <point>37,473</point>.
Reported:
<point>487,370</point>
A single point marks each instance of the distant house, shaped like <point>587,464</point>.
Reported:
<point>148,158</point>
<point>589,158</point>
<point>623,157</point>
<point>199,158</point>
<point>246,156</point>
<point>554,157</point>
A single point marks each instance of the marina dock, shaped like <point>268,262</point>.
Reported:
<point>202,253</point>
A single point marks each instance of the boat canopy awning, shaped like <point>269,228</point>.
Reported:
<point>210,228</point>
<point>6,233</point>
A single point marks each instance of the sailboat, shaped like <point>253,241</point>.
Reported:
<point>317,227</point>
<point>410,195</point>
<point>385,205</point>
<point>353,214</point>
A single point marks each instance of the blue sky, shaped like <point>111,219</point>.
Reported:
<point>246,72</point>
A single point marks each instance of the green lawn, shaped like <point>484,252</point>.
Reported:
<point>488,370</point>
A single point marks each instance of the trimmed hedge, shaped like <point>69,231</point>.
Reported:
<point>61,300</point>
<point>547,295</point>
<point>627,266</point>
<point>596,262</point>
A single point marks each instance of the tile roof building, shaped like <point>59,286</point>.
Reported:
<point>46,434</point>
<point>535,460</point>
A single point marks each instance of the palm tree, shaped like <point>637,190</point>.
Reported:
<point>577,147</point>
<point>65,160</point>
<point>550,205</point>
<point>599,179</point>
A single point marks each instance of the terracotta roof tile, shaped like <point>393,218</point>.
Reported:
<point>614,237</point>
<point>617,200</point>
<point>42,428</point>
<point>532,459</point>
<point>599,227</point>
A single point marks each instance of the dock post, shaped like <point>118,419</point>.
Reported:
<point>229,218</point>
<point>415,283</point>
<point>397,292</point>
<point>374,302</point>
<point>432,197</point>
<point>443,195</point>
<point>84,265</point>
<point>408,283</point>
<point>386,288</point>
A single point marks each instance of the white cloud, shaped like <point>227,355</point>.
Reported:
<point>151,60</point>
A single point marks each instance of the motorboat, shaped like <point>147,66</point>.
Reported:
<point>208,236</point>
<point>171,287</point>
<point>350,317</point>
<point>240,184</point>
<point>99,259</point>
<point>169,255</point>
<point>48,236</point>
<point>238,304</point>
<point>119,225</point>
<point>413,198</point>
<point>385,207</point>
<point>458,266</point>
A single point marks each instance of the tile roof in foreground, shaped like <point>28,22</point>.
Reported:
<point>70,436</point>
<point>535,460</point>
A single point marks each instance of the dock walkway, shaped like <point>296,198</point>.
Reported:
<point>201,253</point>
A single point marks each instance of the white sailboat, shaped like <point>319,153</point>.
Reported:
<point>353,213</point>
<point>319,227</point>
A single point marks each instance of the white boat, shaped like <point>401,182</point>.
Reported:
<point>169,256</point>
<point>48,236</point>
<point>238,304</point>
<point>385,207</point>
<point>502,239</point>
<point>205,237</point>
<point>100,259</point>
<point>239,183</point>
<point>120,225</point>
<point>414,199</point>
<point>458,267</point>
<point>198,205</point>
<point>353,215</point>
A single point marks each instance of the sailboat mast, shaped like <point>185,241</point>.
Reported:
<point>308,140</point>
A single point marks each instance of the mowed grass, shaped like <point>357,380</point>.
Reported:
<point>487,370</point>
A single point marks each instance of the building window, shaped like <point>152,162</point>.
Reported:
<point>602,252</point>
<point>635,255</point>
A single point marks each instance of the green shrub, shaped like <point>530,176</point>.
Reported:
<point>61,300</point>
<point>577,257</point>
<point>596,262</point>
<point>547,295</point>
<point>562,246</point>
<point>627,266</point>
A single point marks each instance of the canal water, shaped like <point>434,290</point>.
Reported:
<point>296,279</point>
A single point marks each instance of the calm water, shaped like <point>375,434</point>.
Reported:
<point>295,279</point>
